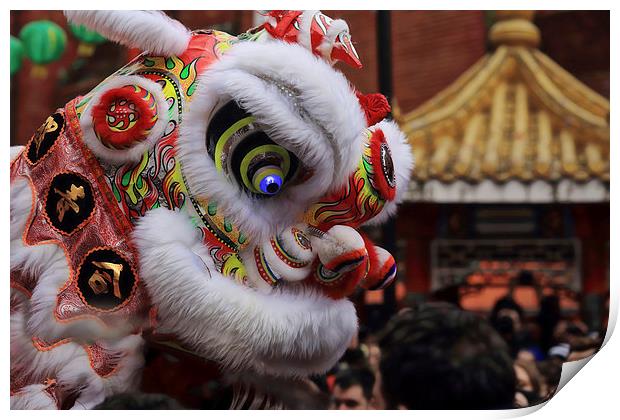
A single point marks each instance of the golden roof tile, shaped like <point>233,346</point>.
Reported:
<point>514,115</point>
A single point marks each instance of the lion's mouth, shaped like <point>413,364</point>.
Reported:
<point>291,331</point>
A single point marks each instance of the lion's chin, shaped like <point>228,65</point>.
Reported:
<point>287,332</point>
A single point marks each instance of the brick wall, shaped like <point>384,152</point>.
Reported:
<point>430,49</point>
<point>578,40</point>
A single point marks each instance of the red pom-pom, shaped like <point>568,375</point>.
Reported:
<point>375,106</point>
<point>124,116</point>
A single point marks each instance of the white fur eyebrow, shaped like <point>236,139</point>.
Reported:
<point>149,30</point>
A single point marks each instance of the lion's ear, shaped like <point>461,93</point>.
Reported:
<point>149,30</point>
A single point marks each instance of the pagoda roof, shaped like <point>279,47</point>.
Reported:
<point>515,115</point>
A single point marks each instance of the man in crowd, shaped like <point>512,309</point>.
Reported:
<point>437,356</point>
<point>353,389</point>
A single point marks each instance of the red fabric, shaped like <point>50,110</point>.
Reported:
<point>342,259</point>
<point>107,226</point>
<point>284,28</point>
<point>345,52</point>
<point>378,270</point>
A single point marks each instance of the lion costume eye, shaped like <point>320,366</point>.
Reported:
<point>245,153</point>
<point>383,177</point>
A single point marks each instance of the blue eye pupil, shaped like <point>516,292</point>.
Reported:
<point>271,184</point>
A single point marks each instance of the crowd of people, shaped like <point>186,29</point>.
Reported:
<point>438,356</point>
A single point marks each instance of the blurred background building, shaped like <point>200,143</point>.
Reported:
<point>508,114</point>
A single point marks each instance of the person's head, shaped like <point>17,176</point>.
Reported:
<point>440,357</point>
<point>567,330</point>
<point>530,382</point>
<point>353,389</point>
<point>374,355</point>
<point>507,316</point>
<point>507,319</point>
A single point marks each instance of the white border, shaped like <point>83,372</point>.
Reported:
<point>593,395</point>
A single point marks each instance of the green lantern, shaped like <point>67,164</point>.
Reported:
<point>88,39</point>
<point>44,42</point>
<point>17,55</point>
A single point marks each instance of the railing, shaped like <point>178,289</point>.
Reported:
<point>546,262</point>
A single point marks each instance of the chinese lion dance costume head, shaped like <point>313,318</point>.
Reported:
<point>206,195</point>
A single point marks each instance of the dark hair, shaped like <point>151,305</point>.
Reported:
<point>505,326</point>
<point>506,302</point>
<point>440,357</point>
<point>356,376</point>
<point>139,401</point>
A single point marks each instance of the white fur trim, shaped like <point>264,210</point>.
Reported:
<point>149,30</point>
<point>94,388</point>
<point>331,152</point>
<point>403,159</point>
<point>33,397</point>
<point>132,154</point>
<point>290,332</point>
<point>70,366</point>
<point>15,151</point>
